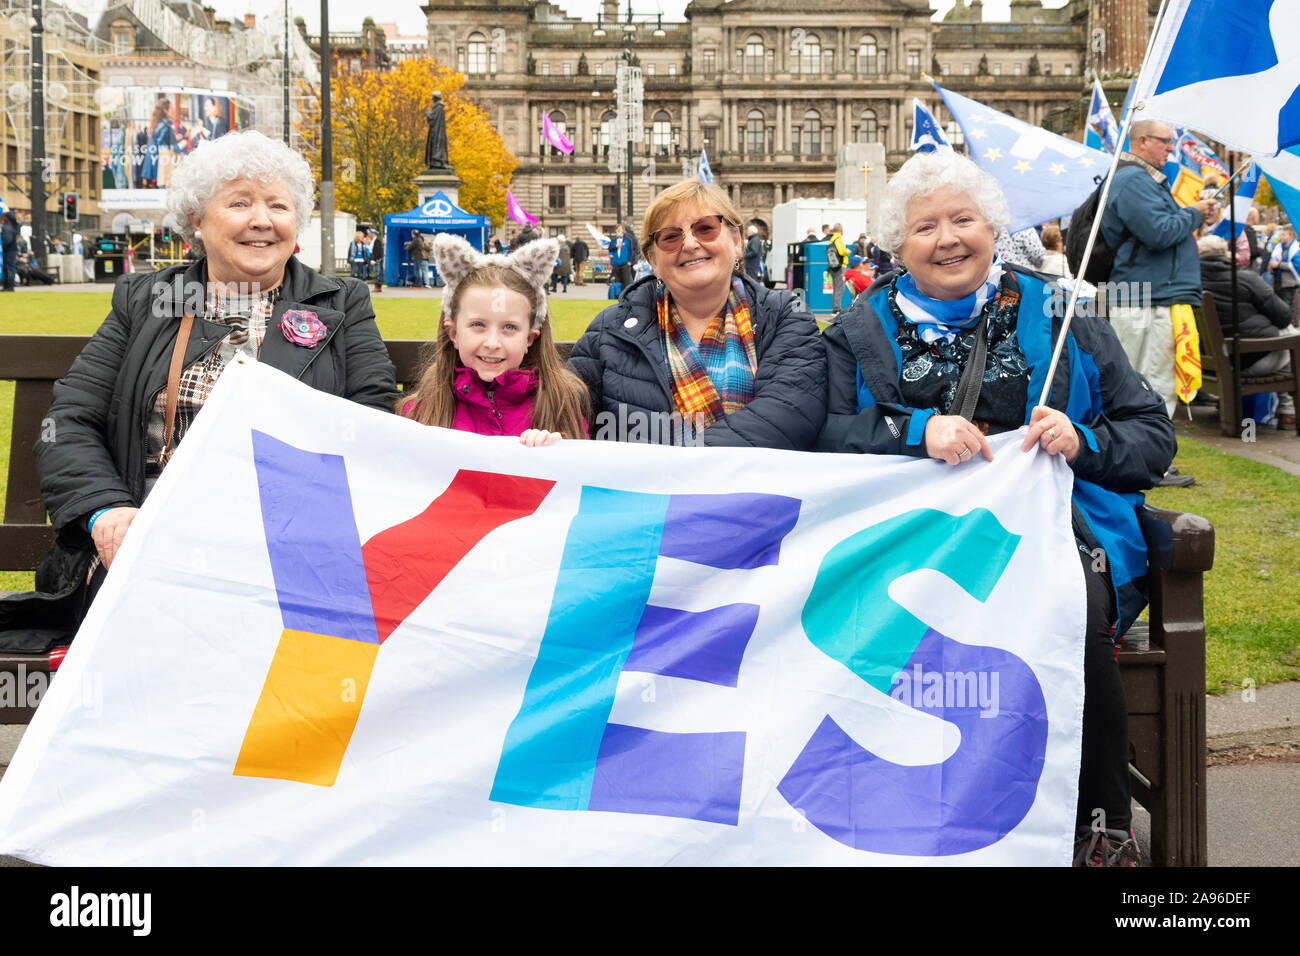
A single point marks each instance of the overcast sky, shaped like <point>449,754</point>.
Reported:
<point>407,15</point>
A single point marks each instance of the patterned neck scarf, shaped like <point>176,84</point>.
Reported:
<point>945,319</point>
<point>714,377</point>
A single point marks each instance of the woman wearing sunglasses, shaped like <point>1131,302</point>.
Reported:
<point>698,353</point>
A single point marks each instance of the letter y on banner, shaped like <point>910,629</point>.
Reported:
<point>340,600</point>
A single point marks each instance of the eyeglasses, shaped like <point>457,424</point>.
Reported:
<point>670,238</point>
<point>1167,140</point>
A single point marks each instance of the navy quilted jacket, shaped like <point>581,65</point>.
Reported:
<point>621,358</point>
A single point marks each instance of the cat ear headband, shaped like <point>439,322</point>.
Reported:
<point>534,261</point>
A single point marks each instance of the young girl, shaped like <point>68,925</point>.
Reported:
<point>495,369</point>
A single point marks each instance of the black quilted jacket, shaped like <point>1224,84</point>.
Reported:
<point>621,358</point>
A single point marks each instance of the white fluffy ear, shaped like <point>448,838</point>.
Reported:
<point>454,257</point>
<point>535,260</point>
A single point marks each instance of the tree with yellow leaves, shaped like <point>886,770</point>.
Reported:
<point>379,129</point>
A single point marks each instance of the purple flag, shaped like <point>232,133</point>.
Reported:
<point>551,133</point>
<point>516,211</point>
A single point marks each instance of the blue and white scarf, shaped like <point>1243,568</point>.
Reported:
<point>945,319</point>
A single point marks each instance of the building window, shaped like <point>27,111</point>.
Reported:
<point>809,55</point>
<point>955,136</point>
<point>868,127</point>
<point>568,68</point>
<point>997,69</point>
<point>914,62</point>
<point>649,69</point>
<point>709,62</point>
<point>460,59</point>
<point>546,69</point>
<point>944,69</point>
<point>1068,68</point>
<point>123,36</point>
<point>869,57</point>
<point>1015,69</point>
<point>1047,69</point>
<point>710,136</point>
<point>753,61</point>
<point>555,197</point>
<point>965,69</point>
<point>754,128</point>
<point>672,69</point>
<point>606,124</point>
<point>608,198</point>
<point>476,60</point>
<point>661,133</point>
<point>600,69</point>
<point>808,138</point>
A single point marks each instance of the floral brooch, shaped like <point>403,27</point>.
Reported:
<point>303,328</point>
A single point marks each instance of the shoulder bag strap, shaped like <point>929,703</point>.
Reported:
<point>967,395</point>
<point>174,386</point>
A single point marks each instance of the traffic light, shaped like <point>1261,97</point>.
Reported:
<point>70,207</point>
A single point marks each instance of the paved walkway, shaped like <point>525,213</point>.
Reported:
<point>1272,446</point>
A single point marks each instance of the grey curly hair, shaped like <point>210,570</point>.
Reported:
<point>245,154</point>
<point>925,173</point>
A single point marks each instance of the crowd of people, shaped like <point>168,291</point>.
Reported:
<point>939,350</point>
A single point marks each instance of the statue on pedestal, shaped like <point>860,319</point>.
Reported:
<point>435,141</point>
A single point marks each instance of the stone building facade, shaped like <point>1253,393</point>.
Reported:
<point>770,91</point>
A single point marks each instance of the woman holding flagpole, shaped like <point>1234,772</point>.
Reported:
<point>956,346</point>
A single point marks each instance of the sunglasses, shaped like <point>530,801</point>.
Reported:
<point>704,230</point>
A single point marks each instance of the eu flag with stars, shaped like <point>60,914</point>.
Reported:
<point>1044,176</point>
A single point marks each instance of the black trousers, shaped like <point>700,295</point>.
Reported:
<point>1103,769</point>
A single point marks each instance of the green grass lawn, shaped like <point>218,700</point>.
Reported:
<point>80,313</point>
<point>1252,597</point>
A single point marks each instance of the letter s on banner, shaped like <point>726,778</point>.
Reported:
<point>982,791</point>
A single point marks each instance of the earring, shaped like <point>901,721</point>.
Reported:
<point>198,233</point>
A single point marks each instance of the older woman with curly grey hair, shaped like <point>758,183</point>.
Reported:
<point>129,398</point>
<point>956,346</point>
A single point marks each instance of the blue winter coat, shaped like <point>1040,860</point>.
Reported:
<point>620,248</point>
<point>621,358</point>
<point>1127,439</point>
<point>1166,252</point>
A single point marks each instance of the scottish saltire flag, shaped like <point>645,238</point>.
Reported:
<point>553,135</point>
<point>414,645</point>
<point>517,212</point>
<point>1231,68</point>
<point>1283,172</point>
<point>1044,176</point>
<point>1245,187</point>
<point>1101,118</point>
<point>705,173</point>
<point>927,135</point>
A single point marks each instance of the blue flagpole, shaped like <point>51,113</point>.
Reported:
<point>1124,125</point>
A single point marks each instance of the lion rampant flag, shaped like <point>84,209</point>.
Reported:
<point>1187,353</point>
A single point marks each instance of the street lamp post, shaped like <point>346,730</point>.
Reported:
<point>630,113</point>
<point>327,147</point>
<point>36,113</point>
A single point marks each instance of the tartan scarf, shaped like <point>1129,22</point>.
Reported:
<point>714,377</point>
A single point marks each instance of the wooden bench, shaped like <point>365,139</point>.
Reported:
<point>1217,374</point>
<point>1165,682</point>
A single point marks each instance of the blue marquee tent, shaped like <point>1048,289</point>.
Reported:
<point>435,214</point>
